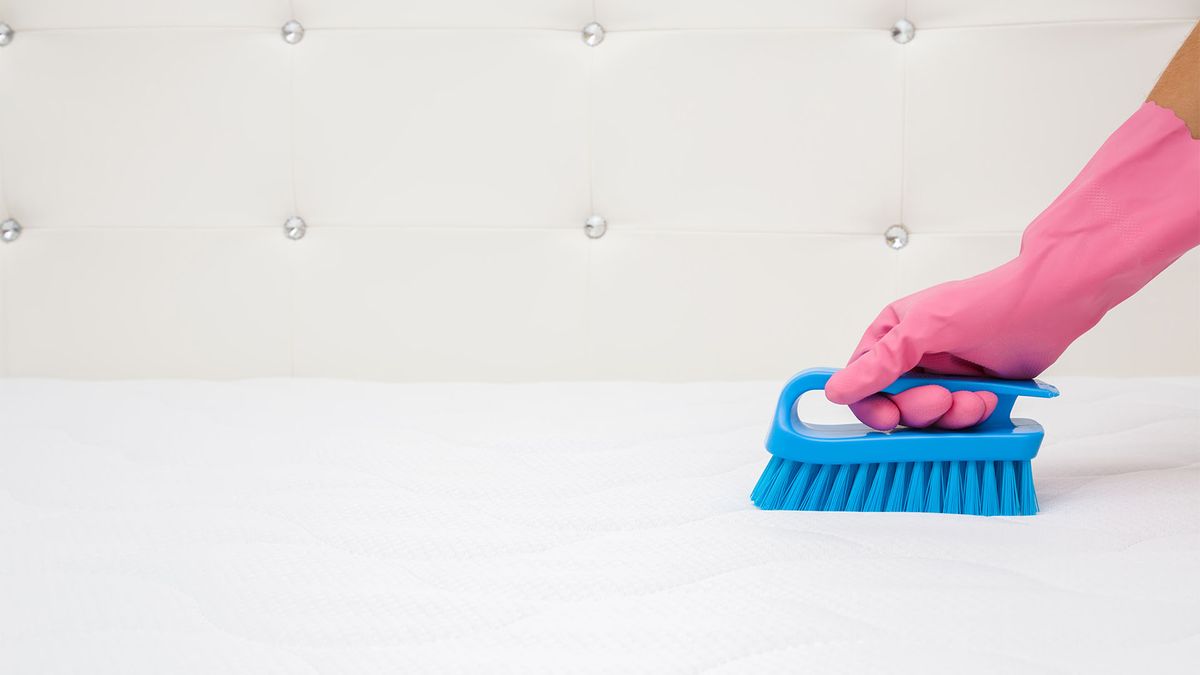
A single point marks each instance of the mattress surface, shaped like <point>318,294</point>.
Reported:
<point>298,526</point>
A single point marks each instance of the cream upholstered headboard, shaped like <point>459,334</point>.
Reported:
<point>741,160</point>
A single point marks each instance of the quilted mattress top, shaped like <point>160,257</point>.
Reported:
<point>300,526</point>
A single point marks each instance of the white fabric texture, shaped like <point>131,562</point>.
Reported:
<point>445,155</point>
<point>277,526</point>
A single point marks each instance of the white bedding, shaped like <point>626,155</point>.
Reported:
<point>300,526</point>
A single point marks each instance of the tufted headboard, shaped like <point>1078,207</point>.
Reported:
<point>542,189</point>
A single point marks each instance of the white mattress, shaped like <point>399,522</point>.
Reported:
<point>332,527</point>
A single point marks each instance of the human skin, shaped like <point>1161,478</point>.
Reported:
<point>1132,211</point>
<point>1178,89</point>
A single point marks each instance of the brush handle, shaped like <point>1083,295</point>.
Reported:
<point>997,437</point>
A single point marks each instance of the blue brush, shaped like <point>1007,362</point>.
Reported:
<point>984,470</point>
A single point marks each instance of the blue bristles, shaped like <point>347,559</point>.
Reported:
<point>954,490</point>
<point>969,487</point>
<point>1008,490</point>
<point>794,497</point>
<point>858,491</point>
<point>879,488</point>
<point>933,496</point>
<point>779,486</point>
<point>915,500</point>
<point>836,501</point>
<point>895,500</point>
<point>991,500</point>
<point>765,480</point>
<point>814,498</point>
<point>1028,498</point>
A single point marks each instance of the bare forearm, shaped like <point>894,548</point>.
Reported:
<point>1179,87</point>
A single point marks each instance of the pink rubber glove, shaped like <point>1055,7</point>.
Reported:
<point>1130,213</point>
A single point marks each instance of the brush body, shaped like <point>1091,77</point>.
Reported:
<point>984,470</point>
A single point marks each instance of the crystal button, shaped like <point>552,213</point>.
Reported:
<point>595,226</point>
<point>896,237</point>
<point>293,32</point>
<point>295,228</point>
<point>593,34</point>
<point>10,230</point>
<point>904,31</point>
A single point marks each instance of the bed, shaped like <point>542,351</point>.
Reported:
<point>326,526</point>
<point>240,240</point>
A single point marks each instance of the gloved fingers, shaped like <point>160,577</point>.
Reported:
<point>877,411</point>
<point>966,409</point>
<point>927,405</point>
<point>889,358</point>
<point>944,363</point>
<point>989,403</point>
<point>924,405</point>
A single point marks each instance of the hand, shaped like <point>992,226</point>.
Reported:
<point>1010,322</point>
<point>1129,214</point>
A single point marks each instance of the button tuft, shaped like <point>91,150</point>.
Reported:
<point>595,226</point>
<point>295,228</point>
<point>10,230</point>
<point>593,34</point>
<point>293,32</point>
<point>904,31</point>
<point>896,237</point>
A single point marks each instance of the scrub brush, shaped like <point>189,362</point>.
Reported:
<point>984,470</point>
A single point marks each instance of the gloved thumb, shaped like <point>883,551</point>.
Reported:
<point>893,355</point>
